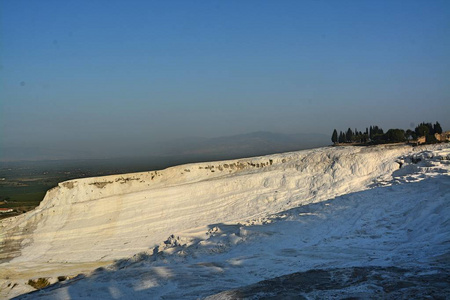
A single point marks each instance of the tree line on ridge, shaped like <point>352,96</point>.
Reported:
<point>376,135</point>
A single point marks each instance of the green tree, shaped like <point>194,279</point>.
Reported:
<point>409,134</point>
<point>394,135</point>
<point>349,135</point>
<point>378,130</point>
<point>341,137</point>
<point>430,139</point>
<point>422,129</point>
<point>437,128</point>
<point>334,137</point>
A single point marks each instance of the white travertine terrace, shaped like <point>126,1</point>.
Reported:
<point>86,223</point>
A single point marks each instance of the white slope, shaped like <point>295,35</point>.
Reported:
<point>258,213</point>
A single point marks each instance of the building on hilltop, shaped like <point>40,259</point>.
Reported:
<point>419,141</point>
<point>443,137</point>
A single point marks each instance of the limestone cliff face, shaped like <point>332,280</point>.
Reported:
<point>111,217</point>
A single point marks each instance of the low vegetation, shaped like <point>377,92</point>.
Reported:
<point>39,283</point>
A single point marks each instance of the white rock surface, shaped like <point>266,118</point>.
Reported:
<point>87,223</point>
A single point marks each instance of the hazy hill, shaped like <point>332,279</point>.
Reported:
<point>256,143</point>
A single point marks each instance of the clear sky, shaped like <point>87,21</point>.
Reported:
<point>102,76</point>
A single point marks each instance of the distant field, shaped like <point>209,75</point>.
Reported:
<point>23,194</point>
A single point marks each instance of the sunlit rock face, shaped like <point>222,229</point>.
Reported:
<point>86,223</point>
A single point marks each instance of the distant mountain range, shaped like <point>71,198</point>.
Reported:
<point>251,144</point>
<point>255,143</point>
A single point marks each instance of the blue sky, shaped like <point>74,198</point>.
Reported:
<point>104,75</point>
